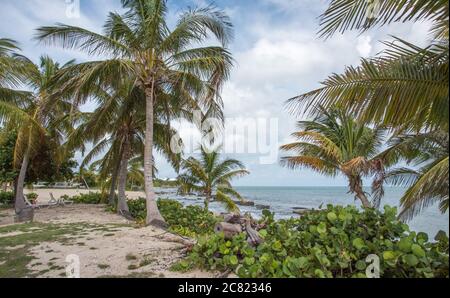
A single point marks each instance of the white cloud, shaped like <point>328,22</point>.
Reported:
<point>364,46</point>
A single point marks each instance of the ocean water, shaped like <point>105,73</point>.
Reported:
<point>282,200</point>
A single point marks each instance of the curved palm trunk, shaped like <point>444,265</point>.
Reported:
<point>122,206</point>
<point>112,189</point>
<point>154,217</point>
<point>357,189</point>
<point>20,204</point>
<point>208,199</point>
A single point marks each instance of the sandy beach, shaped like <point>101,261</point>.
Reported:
<point>107,244</point>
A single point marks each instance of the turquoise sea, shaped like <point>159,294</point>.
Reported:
<point>282,200</point>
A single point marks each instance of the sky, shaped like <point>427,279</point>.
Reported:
<point>277,56</point>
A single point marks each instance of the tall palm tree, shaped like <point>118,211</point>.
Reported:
<point>139,44</point>
<point>335,143</point>
<point>429,183</point>
<point>43,115</point>
<point>212,177</point>
<point>117,127</point>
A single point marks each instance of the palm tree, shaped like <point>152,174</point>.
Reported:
<point>212,177</point>
<point>140,45</point>
<point>42,115</point>
<point>120,118</point>
<point>335,143</point>
<point>429,183</point>
<point>404,87</point>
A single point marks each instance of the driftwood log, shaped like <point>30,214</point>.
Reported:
<point>228,229</point>
<point>235,224</point>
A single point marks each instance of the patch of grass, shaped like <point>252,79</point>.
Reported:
<point>44,272</point>
<point>93,248</point>
<point>14,263</point>
<point>130,257</point>
<point>181,266</point>
<point>56,268</point>
<point>149,274</point>
<point>109,235</point>
<point>146,262</point>
<point>133,267</point>
<point>103,266</point>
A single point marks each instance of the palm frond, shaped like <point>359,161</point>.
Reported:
<point>229,204</point>
<point>431,187</point>
<point>343,15</point>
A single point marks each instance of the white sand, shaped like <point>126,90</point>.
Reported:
<point>104,253</point>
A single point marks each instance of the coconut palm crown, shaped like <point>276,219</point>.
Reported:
<point>212,177</point>
<point>335,143</point>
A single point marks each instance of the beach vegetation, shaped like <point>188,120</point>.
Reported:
<point>189,221</point>
<point>6,199</point>
<point>211,177</point>
<point>331,243</point>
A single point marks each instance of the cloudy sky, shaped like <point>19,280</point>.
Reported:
<point>277,53</point>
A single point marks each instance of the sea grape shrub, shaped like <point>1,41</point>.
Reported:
<point>187,221</point>
<point>6,199</point>
<point>91,198</point>
<point>329,243</point>
<point>138,208</point>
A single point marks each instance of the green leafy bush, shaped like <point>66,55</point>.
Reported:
<point>187,221</point>
<point>138,208</point>
<point>91,198</point>
<point>329,243</point>
<point>6,199</point>
<point>32,197</point>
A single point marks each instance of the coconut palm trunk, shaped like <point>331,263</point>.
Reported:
<point>154,217</point>
<point>208,199</point>
<point>357,189</point>
<point>122,205</point>
<point>20,204</point>
<point>112,190</point>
